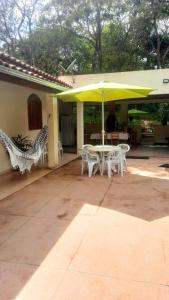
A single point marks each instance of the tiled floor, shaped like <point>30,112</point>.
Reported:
<point>71,237</point>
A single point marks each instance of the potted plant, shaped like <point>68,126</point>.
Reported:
<point>23,143</point>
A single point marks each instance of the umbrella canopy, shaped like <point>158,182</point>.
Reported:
<point>103,92</point>
<point>136,112</point>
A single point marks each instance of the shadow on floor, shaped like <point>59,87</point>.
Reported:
<point>42,225</point>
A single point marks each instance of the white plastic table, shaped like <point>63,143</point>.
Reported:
<point>101,150</point>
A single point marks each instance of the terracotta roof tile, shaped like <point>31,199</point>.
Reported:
<point>16,64</point>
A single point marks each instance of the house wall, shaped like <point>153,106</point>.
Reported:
<point>14,116</point>
<point>161,133</point>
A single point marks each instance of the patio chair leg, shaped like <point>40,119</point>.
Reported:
<point>125,163</point>
<point>90,169</point>
<point>100,169</point>
<point>120,167</point>
<point>109,171</point>
<point>96,169</point>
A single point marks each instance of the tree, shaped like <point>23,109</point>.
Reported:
<point>149,20</point>
<point>55,46</point>
<point>18,19</point>
<point>164,113</point>
<point>103,35</point>
<point>85,19</point>
<point>121,52</point>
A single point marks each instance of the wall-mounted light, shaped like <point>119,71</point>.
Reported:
<point>165,80</point>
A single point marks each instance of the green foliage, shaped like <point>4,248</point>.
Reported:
<point>157,112</point>
<point>135,122</point>
<point>149,23</point>
<point>164,113</point>
<point>104,36</point>
<point>23,143</point>
<point>120,53</point>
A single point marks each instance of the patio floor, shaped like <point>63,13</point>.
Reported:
<point>70,237</point>
<point>150,151</point>
<point>12,182</point>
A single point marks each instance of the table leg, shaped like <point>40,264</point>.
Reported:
<point>121,165</point>
<point>102,163</point>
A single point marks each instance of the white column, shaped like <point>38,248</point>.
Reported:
<point>80,125</point>
<point>124,113</point>
<point>53,128</point>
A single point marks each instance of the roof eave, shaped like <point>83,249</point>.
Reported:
<point>30,78</point>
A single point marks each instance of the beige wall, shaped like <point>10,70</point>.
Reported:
<point>161,132</point>
<point>13,114</point>
<point>148,78</point>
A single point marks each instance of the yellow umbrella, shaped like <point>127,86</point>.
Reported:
<point>103,92</point>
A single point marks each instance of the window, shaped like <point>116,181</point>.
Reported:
<point>34,112</point>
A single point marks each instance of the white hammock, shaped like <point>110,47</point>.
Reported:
<point>25,160</point>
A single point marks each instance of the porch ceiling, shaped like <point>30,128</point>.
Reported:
<point>150,99</point>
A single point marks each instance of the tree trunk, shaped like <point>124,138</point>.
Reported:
<point>97,59</point>
<point>155,11</point>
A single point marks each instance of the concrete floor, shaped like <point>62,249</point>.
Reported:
<point>150,151</point>
<point>71,237</point>
<point>12,181</point>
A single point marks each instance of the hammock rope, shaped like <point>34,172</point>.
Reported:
<point>25,160</point>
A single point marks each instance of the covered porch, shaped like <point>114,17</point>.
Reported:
<point>28,102</point>
<point>156,79</point>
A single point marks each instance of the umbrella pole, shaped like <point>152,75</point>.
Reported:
<point>103,122</point>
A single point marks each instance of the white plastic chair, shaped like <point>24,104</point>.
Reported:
<point>91,159</point>
<point>44,155</point>
<point>83,153</point>
<point>60,149</point>
<point>114,159</point>
<point>125,148</point>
